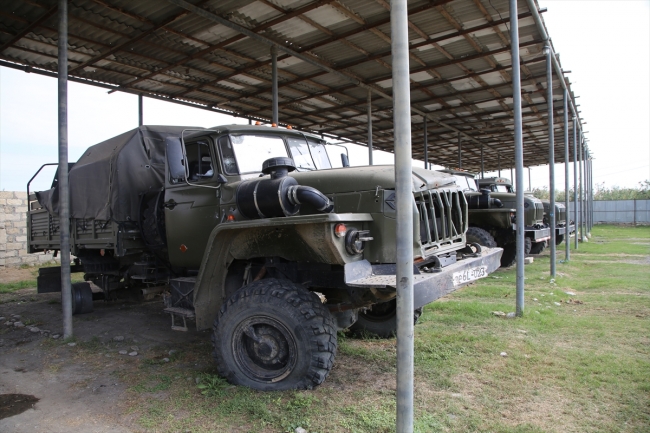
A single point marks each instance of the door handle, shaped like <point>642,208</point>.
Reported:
<point>171,204</point>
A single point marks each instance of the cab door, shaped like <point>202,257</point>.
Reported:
<point>191,199</point>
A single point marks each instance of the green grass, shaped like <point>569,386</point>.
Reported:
<point>31,283</point>
<point>580,366</point>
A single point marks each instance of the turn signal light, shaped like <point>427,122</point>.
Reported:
<point>274,125</point>
<point>289,127</point>
<point>258,122</point>
<point>231,217</point>
<point>340,229</point>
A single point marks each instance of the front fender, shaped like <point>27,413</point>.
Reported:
<point>298,238</point>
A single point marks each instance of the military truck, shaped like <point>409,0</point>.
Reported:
<point>248,232</point>
<point>536,231</point>
<point>490,222</point>
<point>562,227</point>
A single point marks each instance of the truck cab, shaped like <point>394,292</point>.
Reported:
<point>537,232</point>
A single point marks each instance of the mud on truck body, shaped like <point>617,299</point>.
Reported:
<point>251,233</point>
<point>536,230</point>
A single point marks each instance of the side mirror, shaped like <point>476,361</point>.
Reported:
<point>175,159</point>
<point>344,160</point>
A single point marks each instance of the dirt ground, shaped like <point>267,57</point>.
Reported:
<point>78,384</point>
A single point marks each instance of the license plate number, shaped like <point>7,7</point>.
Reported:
<point>468,275</point>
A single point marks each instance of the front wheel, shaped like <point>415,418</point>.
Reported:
<point>537,247</point>
<point>480,236</point>
<point>381,320</point>
<point>274,335</point>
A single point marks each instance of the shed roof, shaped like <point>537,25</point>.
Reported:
<point>215,54</point>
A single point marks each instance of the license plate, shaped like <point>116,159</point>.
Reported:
<point>468,275</point>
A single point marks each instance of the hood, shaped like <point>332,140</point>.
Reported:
<point>368,178</point>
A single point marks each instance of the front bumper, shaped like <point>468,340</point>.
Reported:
<point>427,287</point>
<point>569,230</point>
<point>538,235</point>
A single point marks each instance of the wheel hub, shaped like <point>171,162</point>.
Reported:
<point>264,349</point>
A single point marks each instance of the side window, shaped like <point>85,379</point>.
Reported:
<point>228,156</point>
<point>199,161</point>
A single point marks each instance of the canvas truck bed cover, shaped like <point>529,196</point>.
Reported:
<point>106,182</point>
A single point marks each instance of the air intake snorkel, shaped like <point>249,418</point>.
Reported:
<point>280,195</point>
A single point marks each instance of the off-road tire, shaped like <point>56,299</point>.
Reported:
<point>82,298</point>
<point>480,236</point>
<point>509,256</point>
<point>537,247</point>
<point>274,335</point>
<point>528,244</point>
<point>380,321</point>
<point>559,239</point>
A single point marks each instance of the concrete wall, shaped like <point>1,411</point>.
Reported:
<point>619,212</point>
<point>13,231</point>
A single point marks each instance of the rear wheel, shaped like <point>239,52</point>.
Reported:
<point>480,236</point>
<point>509,256</point>
<point>380,321</point>
<point>274,335</point>
<point>82,298</point>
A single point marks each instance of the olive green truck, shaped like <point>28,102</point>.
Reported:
<point>250,232</point>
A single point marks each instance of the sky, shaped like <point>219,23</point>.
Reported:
<point>606,45</point>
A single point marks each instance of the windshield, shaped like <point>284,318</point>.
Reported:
<point>466,183</point>
<point>250,151</point>
<point>308,155</point>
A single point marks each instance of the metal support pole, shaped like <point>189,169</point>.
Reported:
<point>274,78</point>
<point>580,197</point>
<point>426,146</point>
<point>64,191</point>
<point>404,199</point>
<point>482,170</point>
<point>575,181</point>
<point>369,127</point>
<point>567,252</point>
<point>591,195</point>
<point>519,153</point>
<point>530,185</point>
<point>460,151</point>
<point>512,176</point>
<point>586,199</point>
<point>140,111</point>
<point>499,163</point>
<point>551,154</point>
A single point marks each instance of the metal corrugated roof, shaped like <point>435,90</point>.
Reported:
<point>459,59</point>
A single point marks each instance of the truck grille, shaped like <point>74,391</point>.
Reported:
<point>560,214</point>
<point>443,217</point>
<point>539,211</point>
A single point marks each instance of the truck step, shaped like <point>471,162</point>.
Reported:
<point>183,313</point>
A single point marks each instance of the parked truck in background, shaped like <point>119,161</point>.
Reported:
<point>490,222</point>
<point>536,231</point>
<point>249,231</point>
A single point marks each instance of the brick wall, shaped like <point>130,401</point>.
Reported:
<point>13,231</point>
